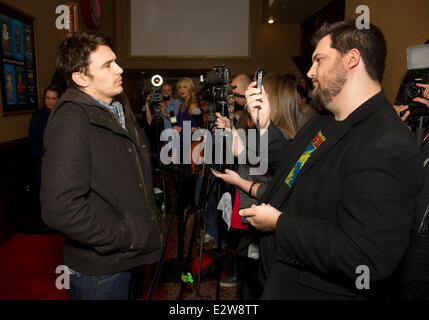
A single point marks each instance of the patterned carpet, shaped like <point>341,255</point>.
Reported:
<point>171,290</point>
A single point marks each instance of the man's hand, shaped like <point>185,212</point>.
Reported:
<point>263,217</point>
<point>400,109</point>
<point>255,104</point>
<point>425,99</point>
<point>162,107</point>
<point>222,122</point>
<point>225,123</point>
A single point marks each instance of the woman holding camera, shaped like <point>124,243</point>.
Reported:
<point>280,94</point>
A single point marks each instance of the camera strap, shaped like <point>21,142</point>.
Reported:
<point>425,138</point>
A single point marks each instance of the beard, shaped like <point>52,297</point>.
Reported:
<point>332,85</point>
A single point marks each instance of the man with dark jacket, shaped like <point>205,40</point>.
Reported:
<point>342,200</point>
<point>96,176</point>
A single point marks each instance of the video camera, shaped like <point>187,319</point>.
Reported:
<point>157,96</point>
<point>218,91</point>
<point>418,72</point>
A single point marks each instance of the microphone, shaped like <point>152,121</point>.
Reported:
<point>173,119</point>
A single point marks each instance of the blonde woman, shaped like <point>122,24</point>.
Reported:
<point>187,92</point>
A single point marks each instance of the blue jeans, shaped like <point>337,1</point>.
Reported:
<point>116,286</point>
<point>212,214</point>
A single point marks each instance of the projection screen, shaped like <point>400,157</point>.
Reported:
<point>190,28</point>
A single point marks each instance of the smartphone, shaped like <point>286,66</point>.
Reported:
<point>259,76</point>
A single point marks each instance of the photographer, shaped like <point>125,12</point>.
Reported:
<point>412,276</point>
<point>403,111</point>
<point>280,97</point>
<point>169,108</point>
<point>239,85</point>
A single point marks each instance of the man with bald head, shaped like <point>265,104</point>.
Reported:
<point>240,83</point>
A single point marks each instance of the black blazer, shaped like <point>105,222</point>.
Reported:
<point>351,204</point>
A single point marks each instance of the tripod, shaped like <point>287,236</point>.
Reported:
<point>158,122</point>
<point>173,266</point>
<point>201,211</point>
<point>207,187</point>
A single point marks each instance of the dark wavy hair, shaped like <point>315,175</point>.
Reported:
<point>371,44</point>
<point>73,53</point>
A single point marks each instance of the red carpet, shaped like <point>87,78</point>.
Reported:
<point>28,264</point>
<point>27,267</point>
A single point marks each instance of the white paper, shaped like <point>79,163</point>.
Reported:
<point>225,205</point>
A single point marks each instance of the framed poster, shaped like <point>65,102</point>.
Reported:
<point>18,70</point>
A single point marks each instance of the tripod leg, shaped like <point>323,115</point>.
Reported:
<point>202,231</point>
<point>219,245</point>
<point>188,257</point>
<point>160,264</point>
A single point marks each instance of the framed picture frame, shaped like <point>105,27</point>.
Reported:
<point>18,62</point>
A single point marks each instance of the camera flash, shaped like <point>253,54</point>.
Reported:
<point>157,80</point>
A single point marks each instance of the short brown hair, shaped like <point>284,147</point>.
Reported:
<point>371,44</point>
<point>73,53</point>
